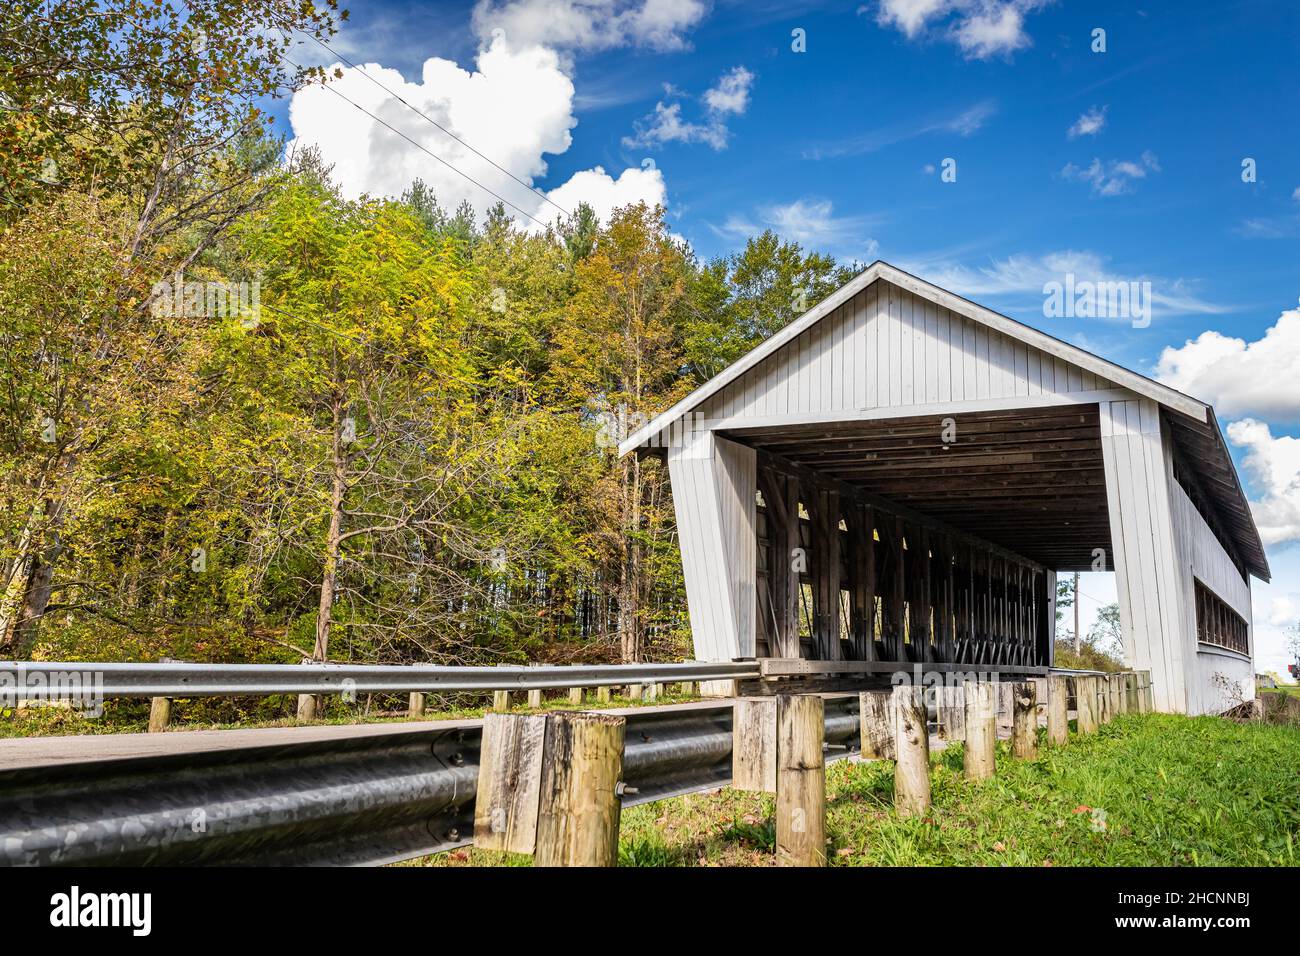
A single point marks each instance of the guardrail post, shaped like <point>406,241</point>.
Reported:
<point>981,729</point>
<point>800,781</point>
<point>635,691</point>
<point>160,714</point>
<point>581,791</point>
<point>718,688</point>
<point>1024,721</point>
<point>509,782</point>
<point>415,705</point>
<point>753,744</point>
<point>1085,702</point>
<point>912,747</point>
<point>307,707</point>
<point>575,696</point>
<point>603,695</point>
<point>535,699</point>
<point>688,688</point>
<point>501,700</point>
<point>876,724</point>
<point>652,691</point>
<point>1058,710</point>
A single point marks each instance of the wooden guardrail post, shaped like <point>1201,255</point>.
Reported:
<point>912,747</point>
<point>501,700</point>
<point>653,691</point>
<point>1024,720</point>
<point>575,695</point>
<point>688,688</point>
<point>1058,710</point>
<point>581,793</point>
<point>876,724</point>
<point>307,706</point>
<point>800,781</point>
<point>415,705</point>
<point>160,714</point>
<point>509,782</point>
<point>603,694</point>
<point>981,729</point>
<point>535,698</point>
<point>635,691</point>
<point>1085,699</point>
<point>753,744</point>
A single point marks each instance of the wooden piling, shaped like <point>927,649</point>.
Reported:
<point>160,714</point>
<point>981,729</point>
<point>1058,710</point>
<point>1024,721</point>
<point>800,781</point>
<point>415,705</point>
<point>912,747</point>
<point>876,724</point>
<point>580,803</point>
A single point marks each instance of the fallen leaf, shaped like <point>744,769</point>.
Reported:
<point>844,851</point>
<point>999,847</point>
<point>1082,809</point>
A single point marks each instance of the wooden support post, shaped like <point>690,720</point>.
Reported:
<point>688,688</point>
<point>653,691</point>
<point>635,691</point>
<point>580,800</point>
<point>415,705</point>
<point>876,724</point>
<point>1058,710</point>
<point>1024,721</point>
<point>912,747</point>
<point>602,695</point>
<point>981,729</point>
<point>575,696</point>
<point>501,700</point>
<point>1085,699</point>
<point>951,712</point>
<point>509,782</point>
<point>534,699</point>
<point>160,714</point>
<point>1006,707</point>
<point>800,781</point>
<point>753,745</point>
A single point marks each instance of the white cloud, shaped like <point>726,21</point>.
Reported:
<point>965,123</point>
<point>1240,377</point>
<point>1089,124</point>
<point>729,97</point>
<point>1115,177</point>
<point>516,106</point>
<point>982,28</point>
<point>1025,275</point>
<point>1296,195</point>
<point>1274,465</point>
<point>589,25</point>
<point>1282,611</point>
<point>604,193</point>
<point>810,222</point>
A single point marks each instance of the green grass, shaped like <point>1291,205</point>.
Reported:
<point>1291,689</point>
<point>1150,790</point>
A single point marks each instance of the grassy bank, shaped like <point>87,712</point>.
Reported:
<point>1153,790</point>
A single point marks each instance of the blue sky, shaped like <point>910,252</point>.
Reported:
<point>1126,163</point>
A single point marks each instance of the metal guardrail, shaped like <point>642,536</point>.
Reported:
<point>371,798</point>
<point>28,680</point>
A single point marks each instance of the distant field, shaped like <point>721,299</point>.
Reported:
<point>1152,790</point>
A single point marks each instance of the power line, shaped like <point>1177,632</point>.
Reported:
<point>429,152</point>
<point>327,48</point>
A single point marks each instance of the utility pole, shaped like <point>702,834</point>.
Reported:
<point>1076,612</point>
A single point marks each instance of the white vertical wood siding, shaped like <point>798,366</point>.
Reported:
<point>714,493</point>
<point>888,348</point>
<point>1148,580</point>
<point>1202,558</point>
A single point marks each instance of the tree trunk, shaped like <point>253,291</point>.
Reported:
<point>34,574</point>
<point>330,573</point>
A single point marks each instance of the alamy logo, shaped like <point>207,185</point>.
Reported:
<point>1098,300</point>
<point>75,908</point>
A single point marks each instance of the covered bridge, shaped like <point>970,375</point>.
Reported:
<point>900,474</point>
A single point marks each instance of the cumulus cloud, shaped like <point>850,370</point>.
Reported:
<point>1114,177</point>
<point>516,106</point>
<point>589,25</point>
<point>981,28</point>
<point>1089,124</point>
<point>1273,463</point>
<point>665,124</point>
<point>1240,377</point>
